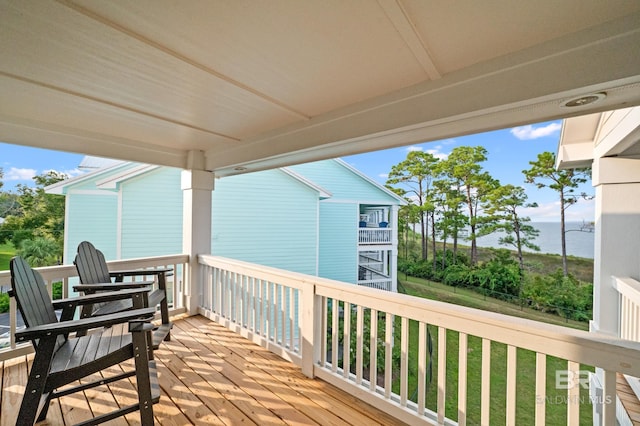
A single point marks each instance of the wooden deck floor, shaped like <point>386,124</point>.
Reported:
<point>628,399</point>
<point>208,376</point>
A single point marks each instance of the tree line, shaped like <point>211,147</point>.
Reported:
<point>454,196</point>
<point>33,220</point>
<point>455,199</point>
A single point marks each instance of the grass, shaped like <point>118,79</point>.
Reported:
<point>468,297</point>
<point>526,399</point>
<point>6,253</point>
<point>579,267</point>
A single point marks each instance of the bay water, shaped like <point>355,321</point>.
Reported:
<point>579,241</point>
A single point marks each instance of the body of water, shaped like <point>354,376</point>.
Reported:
<point>579,243</point>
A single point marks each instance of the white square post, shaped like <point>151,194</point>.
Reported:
<point>196,229</point>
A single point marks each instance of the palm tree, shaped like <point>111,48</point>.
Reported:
<point>40,251</point>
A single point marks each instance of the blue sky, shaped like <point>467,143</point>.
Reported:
<point>509,152</point>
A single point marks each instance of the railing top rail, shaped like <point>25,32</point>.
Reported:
<point>266,273</point>
<point>63,271</point>
<point>628,287</point>
<point>608,352</point>
<point>142,262</point>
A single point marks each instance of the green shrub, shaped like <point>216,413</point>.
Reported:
<point>500,275</point>
<point>561,295</point>
<point>4,302</point>
<point>460,258</point>
<point>56,290</point>
<point>419,269</point>
<point>458,276</point>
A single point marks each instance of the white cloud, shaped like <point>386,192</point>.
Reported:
<point>384,175</point>
<point>434,151</point>
<point>27,175</point>
<point>545,212</point>
<point>529,132</point>
<point>583,210</point>
<point>71,173</point>
<point>15,173</point>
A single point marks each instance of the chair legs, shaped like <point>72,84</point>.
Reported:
<point>140,331</point>
<point>35,403</point>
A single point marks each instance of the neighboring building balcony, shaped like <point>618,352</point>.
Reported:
<point>419,361</point>
<point>373,279</point>
<point>373,271</point>
<point>375,236</point>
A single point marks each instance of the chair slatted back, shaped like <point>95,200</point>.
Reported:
<point>91,264</point>
<point>32,296</point>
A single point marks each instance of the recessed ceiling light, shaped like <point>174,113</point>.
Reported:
<point>239,169</point>
<point>584,100</point>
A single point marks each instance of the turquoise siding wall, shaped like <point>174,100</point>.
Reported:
<point>152,214</point>
<point>339,241</point>
<point>91,218</point>
<point>268,218</point>
<point>342,182</point>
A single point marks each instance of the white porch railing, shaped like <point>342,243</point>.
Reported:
<point>629,319</point>
<point>371,278</point>
<point>374,235</point>
<point>325,327</point>
<point>68,276</point>
<point>380,284</point>
<point>629,324</point>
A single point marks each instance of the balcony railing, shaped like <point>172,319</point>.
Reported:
<point>67,276</point>
<point>371,278</point>
<point>629,324</point>
<point>380,284</point>
<point>629,290</point>
<point>348,335</point>
<point>374,235</point>
<point>362,340</point>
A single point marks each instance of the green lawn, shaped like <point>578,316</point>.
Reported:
<point>470,298</point>
<point>525,393</point>
<point>6,253</point>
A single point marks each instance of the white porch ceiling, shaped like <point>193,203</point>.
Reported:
<point>260,84</point>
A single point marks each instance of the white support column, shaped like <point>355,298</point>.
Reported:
<point>617,235</point>
<point>393,223</point>
<point>617,253</point>
<point>196,229</point>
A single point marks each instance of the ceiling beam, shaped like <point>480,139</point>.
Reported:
<point>407,30</point>
<point>524,87</point>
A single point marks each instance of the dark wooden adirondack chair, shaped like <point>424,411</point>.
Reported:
<point>95,277</point>
<point>62,359</point>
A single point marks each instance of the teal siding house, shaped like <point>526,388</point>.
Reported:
<point>323,218</point>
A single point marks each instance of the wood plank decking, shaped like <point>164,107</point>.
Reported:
<point>628,399</point>
<point>209,376</point>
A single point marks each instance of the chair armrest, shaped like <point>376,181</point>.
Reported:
<point>90,288</point>
<point>98,298</point>
<point>66,327</point>
<point>139,272</point>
